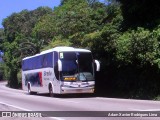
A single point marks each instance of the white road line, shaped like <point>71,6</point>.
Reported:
<point>70,101</point>
<point>15,106</point>
<point>99,98</point>
<point>55,118</point>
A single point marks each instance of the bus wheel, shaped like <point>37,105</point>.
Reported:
<point>51,91</point>
<point>29,89</point>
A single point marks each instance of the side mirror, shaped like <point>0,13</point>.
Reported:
<point>97,65</point>
<point>59,66</point>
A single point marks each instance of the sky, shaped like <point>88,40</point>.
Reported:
<point>7,7</point>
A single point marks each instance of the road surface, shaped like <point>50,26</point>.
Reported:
<point>18,100</point>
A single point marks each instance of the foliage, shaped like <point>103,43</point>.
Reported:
<point>1,71</point>
<point>17,27</point>
<point>70,21</point>
<point>57,41</point>
<point>102,42</point>
<point>30,46</point>
<point>2,37</point>
<point>44,29</point>
<point>138,13</point>
<point>23,22</point>
<point>137,47</point>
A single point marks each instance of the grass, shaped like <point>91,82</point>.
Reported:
<point>157,98</point>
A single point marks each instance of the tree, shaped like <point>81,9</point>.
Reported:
<point>45,28</point>
<point>12,62</point>
<point>103,40</point>
<point>140,13</point>
<point>30,46</point>
<point>17,27</point>
<point>137,47</point>
<point>69,21</point>
<point>1,71</point>
<point>2,37</point>
<point>90,2</point>
<point>23,22</point>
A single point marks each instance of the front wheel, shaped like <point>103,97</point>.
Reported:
<point>51,94</point>
<point>29,89</point>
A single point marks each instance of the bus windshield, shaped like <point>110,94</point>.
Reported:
<point>76,66</point>
<point>69,65</point>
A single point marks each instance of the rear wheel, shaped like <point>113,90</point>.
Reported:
<point>51,94</point>
<point>29,90</point>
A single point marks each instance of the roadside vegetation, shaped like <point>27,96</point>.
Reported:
<point>124,36</point>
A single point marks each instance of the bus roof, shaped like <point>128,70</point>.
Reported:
<point>59,49</point>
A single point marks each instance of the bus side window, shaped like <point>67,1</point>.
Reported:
<point>44,62</point>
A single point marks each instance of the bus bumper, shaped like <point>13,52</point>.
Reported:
<point>65,90</point>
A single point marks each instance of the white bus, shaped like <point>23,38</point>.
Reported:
<point>60,70</point>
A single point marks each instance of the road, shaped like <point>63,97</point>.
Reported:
<point>18,100</point>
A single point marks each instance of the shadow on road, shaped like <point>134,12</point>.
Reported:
<point>67,95</point>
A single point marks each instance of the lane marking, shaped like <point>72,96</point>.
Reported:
<point>55,118</point>
<point>70,101</point>
<point>14,106</point>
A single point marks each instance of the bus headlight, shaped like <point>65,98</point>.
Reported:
<point>92,89</point>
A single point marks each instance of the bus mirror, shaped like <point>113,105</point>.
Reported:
<point>59,66</point>
<point>97,65</point>
<point>77,61</point>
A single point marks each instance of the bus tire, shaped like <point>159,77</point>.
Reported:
<point>51,94</point>
<point>29,89</point>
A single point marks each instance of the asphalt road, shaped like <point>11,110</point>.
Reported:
<point>18,100</point>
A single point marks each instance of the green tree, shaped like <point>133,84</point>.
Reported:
<point>140,13</point>
<point>30,46</point>
<point>17,27</point>
<point>2,37</point>
<point>102,41</point>
<point>137,47</point>
<point>69,21</point>
<point>23,22</point>
<point>45,28</point>
<point>90,2</point>
<point>1,71</point>
<point>12,62</point>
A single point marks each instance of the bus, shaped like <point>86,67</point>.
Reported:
<point>60,70</point>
